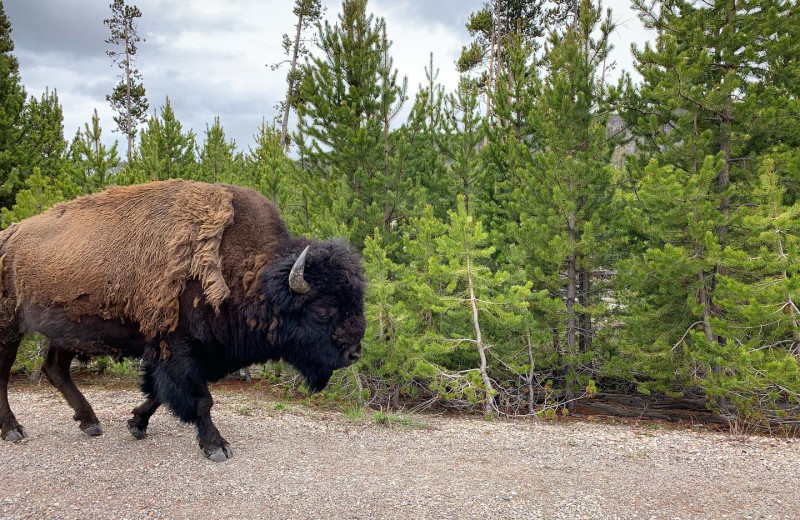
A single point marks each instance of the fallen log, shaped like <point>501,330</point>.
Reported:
<point>670,409</point>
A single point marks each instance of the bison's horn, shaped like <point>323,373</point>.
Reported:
<point>297,283</point>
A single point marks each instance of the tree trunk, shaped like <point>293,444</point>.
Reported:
<point>792,308</point>
<point>572,282</point>
<point>490,75</point>
<point>705,302</point>
<point>96,143</point>
<point>388,211</point>
<point>287,105</point>
<point>793,314</point>
<point>302,164</point>
<point>489,404</point>
<point>724,178</point>
<point>128,92</point>
<point>530,373</point>
<point>585,319</point>
<point>569,301</point>
<point>493,49</point>
<point>570,304</point>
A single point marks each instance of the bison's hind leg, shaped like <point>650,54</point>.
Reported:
<point>10,429</point>
<point>56,368</point>
<point>137,425</point>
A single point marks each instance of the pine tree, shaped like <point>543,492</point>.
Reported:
<point>570,182</point>
<point>399,350</point>
<point>218,157</point>
<point>392,98</point>
<point>701,77</point>
<point>491,27</point>
<point>268,169</point>
<point>308,13</point>
<point>481,27</point>
<point>513,137</point>
<point>165,152</point>
<point>433,307</point>
<point>473,287</point>
<point>670,307</point>
<point>38,194</point>
<point>425,132</point>
<point>43,145</point>
<point>12,105</point>
<point>465,131</point>
<point>761,322</point>
<point>713,101</point>
<point>775,232</point>
<point>95,163</point>
<point>128,97</point>
<point>522,17</point>
<point>348,95</point>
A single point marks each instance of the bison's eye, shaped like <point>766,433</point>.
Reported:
<point>323,314</point>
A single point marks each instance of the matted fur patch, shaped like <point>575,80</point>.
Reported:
<point>125,253</point>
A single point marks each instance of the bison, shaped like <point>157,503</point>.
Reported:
<point>197,279</point>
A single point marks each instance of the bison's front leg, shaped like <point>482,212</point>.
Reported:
<point>214,446</point>
<point>180,383</point>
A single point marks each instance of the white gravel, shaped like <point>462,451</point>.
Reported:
<point>302,463</point>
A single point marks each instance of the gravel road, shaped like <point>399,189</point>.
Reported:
<point>307,463</point>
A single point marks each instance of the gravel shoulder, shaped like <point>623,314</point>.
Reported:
<point>307,463</point>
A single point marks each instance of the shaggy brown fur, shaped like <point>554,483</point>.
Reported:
<point>128,252</point>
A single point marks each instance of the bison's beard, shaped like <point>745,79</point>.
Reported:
<point>316,378</point>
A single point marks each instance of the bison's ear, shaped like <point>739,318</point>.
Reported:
<point>297,283</point>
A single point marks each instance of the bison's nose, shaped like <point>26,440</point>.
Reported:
<point>352,354</point>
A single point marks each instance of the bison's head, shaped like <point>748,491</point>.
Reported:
<point>314,303</point>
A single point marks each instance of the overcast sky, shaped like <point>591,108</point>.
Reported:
<point>210,56</point>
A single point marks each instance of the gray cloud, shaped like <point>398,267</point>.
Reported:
<point>449,13</point>
<point>72,28</point>
<point>210,57</point>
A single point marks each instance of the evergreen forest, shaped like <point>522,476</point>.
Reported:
<point>533,238</point>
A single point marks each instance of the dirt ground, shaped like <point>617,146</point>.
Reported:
<point>295,462</point>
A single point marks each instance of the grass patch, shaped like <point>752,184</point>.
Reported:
<point>390,420</point>
<point>30,354</point>
<point>125,369</point>
<point>354,412</point>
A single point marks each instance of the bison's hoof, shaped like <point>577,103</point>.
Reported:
<point>93,430</point>
<point>17,434</point>
<point>138,432</point>
<point>220,454</point>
